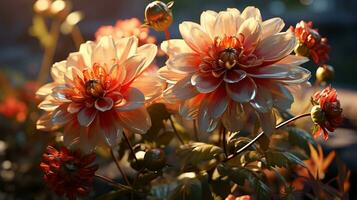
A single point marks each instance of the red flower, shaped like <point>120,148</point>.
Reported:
<point>68,172</point>
<point>311,43</point>
<point>327,112</point>
<point>13,108</point>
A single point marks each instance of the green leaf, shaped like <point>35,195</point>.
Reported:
<point>301,138</point>
<point>235,142</point>
<point>199,154</point>
<point>282,159</point>
<point>239,175</point>
<point>189,188</point>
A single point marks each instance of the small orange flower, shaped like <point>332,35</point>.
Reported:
<point>13,108</point>
<point>68,173</point>
<point>126,28</point>
<point>327,112</point>
<point>311,43</point>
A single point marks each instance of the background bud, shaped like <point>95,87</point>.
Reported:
<point>158,15</point>
<point>155,159</point>
<point>325,73</point>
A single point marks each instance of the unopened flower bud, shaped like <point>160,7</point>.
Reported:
<point>42,7</point>
<point>158,15</point>
<point>317,115</point>
<point>325,73</point>
<point>60,9</point>
<point>302,50</point>
<point>155,159</point>
<point>138,163</point>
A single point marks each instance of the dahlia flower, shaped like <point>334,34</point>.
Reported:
<point>99,91</point>
<point>311,44</point>
<point>68,173</point>
<point>327,112</point>
<point>126,28</point>
<point>230,66</point>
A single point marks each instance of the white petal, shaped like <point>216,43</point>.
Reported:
<point>293,60</point>
<point>242,91</point>
<point>225,25</point>
<point>86,50</point>
<point>208,19</point>
<point>185,62</point>
<point>170,76</point>
<point>103,104</point>
<point>183,89</point>
<point>195,37</point>
<point>148,51</point>
<point>251,30</point>
<point>134,99</point>
<point>105,52</point>
<point>263,100</point>
<point>251,12</point>
<point>150,85</point>
<point>205,82</point>
<point>86,116</point>
<point>126,47</point>
<point>175,46</point>
<point>233,76</point>
<point>276,47</point>
<point>58,71</point>
<point>137,120</point>
<point>272,26</point>
<point>76,60</point>
<point>46,89</point>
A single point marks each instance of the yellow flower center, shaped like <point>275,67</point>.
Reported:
<point>94,88</point>
<point>228,58</point>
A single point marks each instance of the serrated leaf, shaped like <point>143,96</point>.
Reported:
<point>199,154</point>
<point>282,159</point>
<point>301,138</point>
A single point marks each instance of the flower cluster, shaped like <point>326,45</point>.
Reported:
<point>311,44</point>
<point>126,28</point>
<point>327,112</point>
<point>68,173</point>
<point>13,108</point>
<point>230,66</point>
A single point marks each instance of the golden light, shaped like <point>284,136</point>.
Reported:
<point>57,6</point>
<point>41,6</point>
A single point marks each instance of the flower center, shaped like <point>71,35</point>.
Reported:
<point>228,58</point>
<point>94,88</point>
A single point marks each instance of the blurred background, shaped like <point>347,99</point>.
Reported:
<point>21,57</point>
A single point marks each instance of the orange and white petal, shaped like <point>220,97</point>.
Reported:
<point>234,76</point>
<point>103,104</point>
<point>189,108</point>
<point>263,100</point>
<point>76,60</point>
<point>206,123</point>
<point>104,52</point>
<point>132,66</point>
<point>149,51</point>
<point>133,98</point>
<point>183,89</point>
<point>195,37</point>
<point>276,47</point>
<point>170,76</point>
<point>110,128</point>
<point>217,103</point>
<point>175,46</point>
<point>205,82</point>
<point>242,91</point>
<point>150,85</point>
<point>125,48</point>
<point>46,89</point>
<point>293,60</point>
<point>86,116</point>
<point>207,21</point>
<point>225,25</point>
<point>234,117</point>
<point>58,71</point>
<point>251,12</point>
<point>272,26</point>
<point>184,63</point>
<point>251,30</point>
<point>86,49</point>
<point>130,119</point>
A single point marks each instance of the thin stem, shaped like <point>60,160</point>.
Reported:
<point>77,36</point>
<point>49,52</point>
<point>118,166</point>
<point>175,131</point>
<point>195,130</point>
<point>224,142</point>
<point>167,34</point>
<point>112,182</point>
<point>262,133</point>
<point>130,147</point>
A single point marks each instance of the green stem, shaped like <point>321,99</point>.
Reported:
<point>230,157</point>
<point>175,131</point>
<point>118,166</point>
